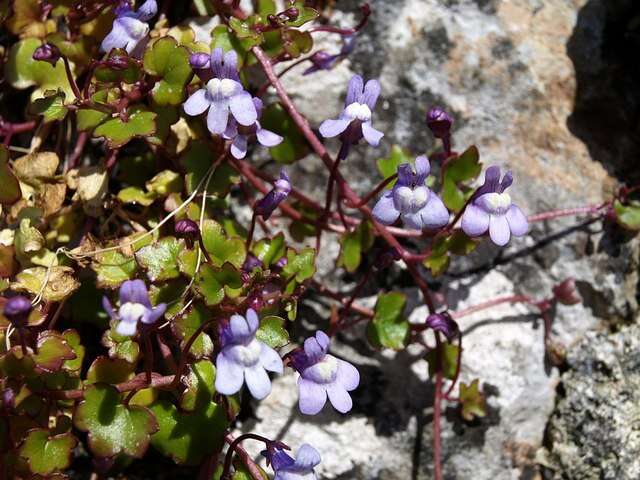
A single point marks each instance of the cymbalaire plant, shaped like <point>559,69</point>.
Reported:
<point>156,241</point>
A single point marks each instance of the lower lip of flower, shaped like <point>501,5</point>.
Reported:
<point>225,87</point>
<point>132,310</point>
<point>324,371</point>
<point>411,199</point>
<point>358,111</point>
<point>247,355</point>
<point>497,202</point>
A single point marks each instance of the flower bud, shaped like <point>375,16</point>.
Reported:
<point>199,60</point>
<point>47,52</point>
<point>118,62</point>
<point>8,399</point>
<point>443,323</point>
<point>187,229</point>
<point>387,257</point>
<point>439,122</point>
<point>566,292</point>
<point>17,310</point>
<point>250,263</point>
<point>271,200</point>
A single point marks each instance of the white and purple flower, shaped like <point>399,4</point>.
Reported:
<point>322,375</point>
<point>130,27</point>
<point>134,307</point>
<point>243,358</point>
<point>492,210</point>
<point>299,468</point>
<point>239,135</point>
<point>223,94</point>
<point>354,122</point>
<point>411,200</point>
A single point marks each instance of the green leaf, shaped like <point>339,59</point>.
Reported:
<point>129,73</point>
<point>22,71</point>
<point>221,248</point>
<point>296,42</point>
<point>140,123</point>
<point>113,428</point>
<point>188,437</point>
<point>113,268</point>
<point>458,243</point>
<point>389,328</point>
<point>186,325</point>
<point>449,361</point>
<point>52,350</point>
<point>272,332</point>
<point>389,166</point>
<point>305,14</point>
<point>628,216</point>
<point>72,338</point>
<point>169,62</point>
<point>269,250</point>
<point>472,400</point>
<point>47,454</point>
<point>223,37</point>
<point>51,106</point>
<point>61,282</point>
<point>199,386</point>
<point>354,244</point>
<point>214,283</point>
<point>164,183</point>
<point>10,192</point>
<point>136,195</point>
<point>120,346</point>
<point>160,260</point>
<point>89,118</point>
<point>245,30</point>
<point>110,370</point>
<point>294,146</point>
<point>457,170</point>
<point>300,266</point>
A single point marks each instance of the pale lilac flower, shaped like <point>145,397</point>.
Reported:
<point>239,135</point>
<point>354,122</point>
<point>322,375</point>
<point>17,310</point>
<point>411,200</point>
<point>275,197</point>
<point>491,209</point>
<point>130,27</point>
<point>243,358</point>
<point>300,468</point>
<point>223,93</point>
<point>134,307</point>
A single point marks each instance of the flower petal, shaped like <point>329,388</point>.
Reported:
<point>332,128</point>
<point>216,62</point>
<point>243,109</point>
<point>127,329</point>
<point>354,90</point>
<point>348,375</point>
<point>218,116</point>
<point>196,103</point>
<point>270,359</point>
<point>423,167</point>
<point>147,10</point>
<point>154,314</point>
<point>313,349</point>
<point>507,180</point>
<point>106,304</point>
<point>230,68</point>
<point>385,211</point>
<point>229,375</point>
<point>475,221</point>
<point>258,382</point>
<point>267,138</point>
<point>518,222</point>
<point>239,327</point>
<point>491,181</point>
<point>371,135</point>
<point>312,396</point>
<point>252,320</point>
<point>117,38</point>
<point>499,230</point>
<point>134,291</point>
<point>339,398</point>
<point>239,147</point>
<point>307,457</point>
<point>412,220</point>
<point>434,214</point>
<point>371,92</point>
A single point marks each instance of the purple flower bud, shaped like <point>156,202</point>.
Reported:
<point>250,263</point>
<point>8,399</point>
<point>282,262</point>
<point>443,323</point>
<point>199,60</point>
<point>439,122</point>
<point>566,292</point>
<point>17,310</point>
<point>187,229</point>
<point>47,52</point>
<point>387,257</point>
<point>275,197</point>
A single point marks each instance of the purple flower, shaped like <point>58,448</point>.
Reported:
<point>244,358</point>
<point>322,375</point>
<point>439,122</point>
<point>223,93</point>
<point>443,323</point>
<point>134,307</point>
<point>17,310</point>
<point>411,200</point>
<point>129,28</point>
<point>239,135</point>
<point>199,60</point>
<point>300,468</point>
<point>321,60</point>
<point>491,209</point>
<point>355,120</point>
<point>47,52</point>
<point>276,195</point>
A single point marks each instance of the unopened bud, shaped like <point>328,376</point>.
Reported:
<point>566,292</point>
<point>439,122</point>
<point>187,229</point>
<point>47,52</point>
<point>199,60</point>
<point>443,323</point>
<point>17,310</point>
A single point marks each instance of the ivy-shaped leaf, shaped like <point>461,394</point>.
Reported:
<point>110,370</point>
<point>164,183</point>
<point>458,243</point>
<point>214,283</point>
<point>52,351</point>
<point>221,248</point>
<point>47,453</point>
<point>199,384</point>
<point>186,325</point>
<point>456,171</point>
<point>272,332</point>
<point>10,192</point>
<point>136,196</point>
<point>245,29</point>
<point>51,106</point>
<point>89,118</point>
<point>296,42</point>
<point>169,62</point>
<point>113,268</point>
<point>120,346</point>
<point>628,215</point>
<point>160,260</point>
<point>269,250</point>
<point>128,70</point>
<point>354,244</point>
<point>449,361</point>
<point>72,338</point>
<point>472,400</point>
<point>389,328</point>
<point>300,267</point>
<point>305,14</point>
<point>140,123</point>
<point>112,427</point>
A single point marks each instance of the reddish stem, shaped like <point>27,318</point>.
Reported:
<point>492,303</point>
<point>437,412</point>
<point>566,212</point>
<point>234,446</point>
